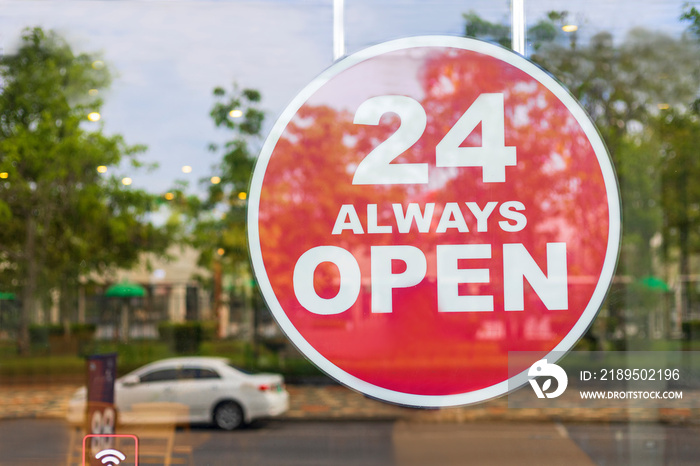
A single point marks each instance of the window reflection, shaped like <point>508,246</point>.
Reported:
<point>78,213</point>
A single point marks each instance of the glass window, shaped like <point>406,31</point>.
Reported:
<point>198,373</point>
<point>162,375</point>
<point>207,374</point>
<point>420,216</point>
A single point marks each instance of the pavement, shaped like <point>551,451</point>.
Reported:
<point>334,402</point>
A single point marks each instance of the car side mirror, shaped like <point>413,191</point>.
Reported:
<point>131,380</point>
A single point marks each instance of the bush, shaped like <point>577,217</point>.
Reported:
<point>39,334</point>
<point>57,339</point>
<point>83,330</point>
<point>691,329</point>
<point>183,338</point>
<point>209,331</point>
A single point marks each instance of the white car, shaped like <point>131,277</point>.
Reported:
<point>211,389</point>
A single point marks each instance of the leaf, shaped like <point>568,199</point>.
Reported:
<point>546,385</point>
<point>85,221</point>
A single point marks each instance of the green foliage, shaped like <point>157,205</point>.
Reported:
<point>545,31</point>
<point>131,355</point>
<point>39,368</point>
<point>692,15</point>
<point>62,219</point>
<point>243,355</point>
<point>691,329</point>
<point>58,339</point>
<point>39,334</point>
<point>43,368</point>
<point>39,331</point>
<point>622,87</point>
<point>680,139</point>
<point>238,158</point>
<point>679,133</point>
<point>216,224</point>
<point>641,92</point>
<point>183,338</point>
<point>638,164</point>
<point>641,109</point>
<point>475,26</point>
<point>82,329</point>
<point>622,84</point>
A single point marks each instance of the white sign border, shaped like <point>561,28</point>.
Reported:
<point>513,59</point>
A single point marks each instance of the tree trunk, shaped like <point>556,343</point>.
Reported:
<point>684,246</point>
<point>220,330</point>
<point>29,287</point>
<point>684,264</point>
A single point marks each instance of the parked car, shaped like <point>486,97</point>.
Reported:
<point>212,389</point>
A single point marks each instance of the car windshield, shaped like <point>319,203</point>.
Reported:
<point>431,230</point>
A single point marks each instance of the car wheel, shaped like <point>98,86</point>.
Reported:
<point>228,415</point>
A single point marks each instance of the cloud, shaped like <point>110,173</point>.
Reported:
<point>168,56</point>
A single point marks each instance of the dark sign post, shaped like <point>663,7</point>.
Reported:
<point>101,413</point>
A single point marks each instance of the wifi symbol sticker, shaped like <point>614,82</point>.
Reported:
<point>127,453</point>
<point>110,457</point>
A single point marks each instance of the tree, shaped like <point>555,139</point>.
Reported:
<point>678,128</point>
<point>62,219</point>
<point>237,112</point>
<point>692,15</point>
<point>475,26</point>
<point>626,86</point>
<point>216,223</point>
<point>679,133</point>
<point>641,109</point>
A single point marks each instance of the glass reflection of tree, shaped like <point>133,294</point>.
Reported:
<point>319,146</point>
<point>310,176</point>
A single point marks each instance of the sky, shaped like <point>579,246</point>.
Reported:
<point>167,56</point>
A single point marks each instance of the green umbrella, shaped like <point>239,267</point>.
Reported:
<point>7,296</point>
<point>654,283</point>
<point>126,290</point>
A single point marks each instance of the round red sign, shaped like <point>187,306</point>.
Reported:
<point>423,208</point>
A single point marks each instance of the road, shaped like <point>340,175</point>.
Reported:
<point>386,443</point>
